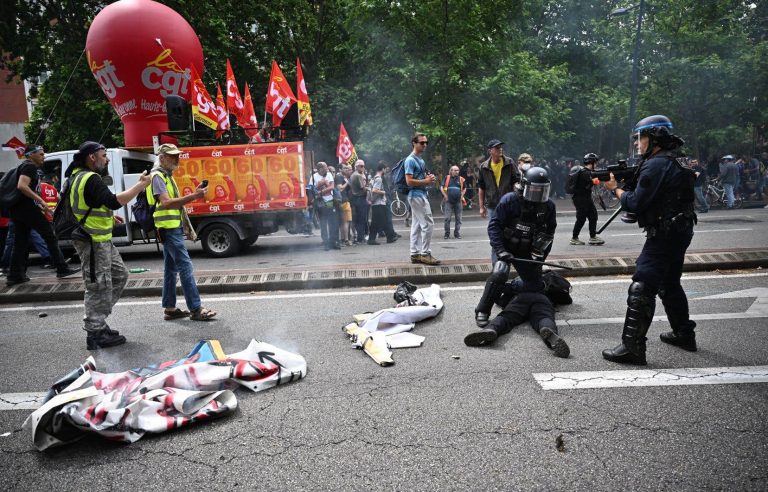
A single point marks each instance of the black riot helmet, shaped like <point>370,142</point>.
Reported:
<point>590,158</point>
<point>658,128</point>
<point>536,185</point>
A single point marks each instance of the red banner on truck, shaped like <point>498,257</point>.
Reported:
<point>244,178</point>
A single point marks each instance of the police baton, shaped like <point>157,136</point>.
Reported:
<point>536,262</point>
<point>610,219</point>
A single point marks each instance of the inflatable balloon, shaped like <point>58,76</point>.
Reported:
<point>141,51</point>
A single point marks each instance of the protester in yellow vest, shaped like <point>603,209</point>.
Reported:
<point>104,273</point>
<point>173,225</point>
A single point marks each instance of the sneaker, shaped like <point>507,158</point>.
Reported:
<point>447,235</point>
<point>577,242</point>
<point>456,235</point>
<point>596,241</point>
<point>10,282</point>
<point>428,259</point>
<point>103,339</point>
<point>68,272</point>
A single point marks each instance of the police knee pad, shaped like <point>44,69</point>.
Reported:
<point>640,295</point>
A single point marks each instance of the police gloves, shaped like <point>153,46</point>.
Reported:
<point>505,256</point>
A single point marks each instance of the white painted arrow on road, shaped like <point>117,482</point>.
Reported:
<point>759,307</point>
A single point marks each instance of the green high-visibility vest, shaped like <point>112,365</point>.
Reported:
<point>165,218</point>
<point>99,222</point>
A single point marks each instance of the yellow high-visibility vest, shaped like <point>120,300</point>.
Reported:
<point>165,218</point>
<point>99,221</point>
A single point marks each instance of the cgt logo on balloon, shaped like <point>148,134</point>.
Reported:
<point>174,81</point>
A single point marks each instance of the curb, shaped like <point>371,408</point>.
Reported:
<point>476,270</point>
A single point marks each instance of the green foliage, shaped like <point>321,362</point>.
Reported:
<point>547,77</point>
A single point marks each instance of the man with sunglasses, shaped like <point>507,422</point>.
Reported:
<point>422,223</point>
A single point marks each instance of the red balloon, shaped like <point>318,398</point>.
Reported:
<point>141,51</point>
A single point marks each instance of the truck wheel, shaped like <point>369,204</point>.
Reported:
<point>220,241</point>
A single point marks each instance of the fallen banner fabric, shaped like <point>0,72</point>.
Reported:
<point>377,333</point>
<point>124,406</point>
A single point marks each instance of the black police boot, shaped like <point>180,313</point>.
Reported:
<point>481,337</point>
<point>640,308</point>
<point>681,336</point>
<point>556,344</point>
<point>494,287</point>
<point>103,339</point>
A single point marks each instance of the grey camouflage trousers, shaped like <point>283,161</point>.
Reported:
<point>111,277</point>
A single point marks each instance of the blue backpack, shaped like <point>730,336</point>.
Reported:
<point>398,178</point>
<point>143,213</point>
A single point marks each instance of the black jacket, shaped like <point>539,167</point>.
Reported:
<point>510,175</point>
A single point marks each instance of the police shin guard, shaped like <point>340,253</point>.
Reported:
<point>682,334</point>
<point>548,332</point>
<point>494,287</point>
<point>640,308</point>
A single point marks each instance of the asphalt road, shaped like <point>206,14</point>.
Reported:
<point>445,417</point>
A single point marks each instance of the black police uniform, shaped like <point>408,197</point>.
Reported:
<point>519,229</point>
<point>582,200</point>
<point>662,198</point>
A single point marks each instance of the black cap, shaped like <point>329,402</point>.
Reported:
<point>494,143</point>
<point>89,147</point>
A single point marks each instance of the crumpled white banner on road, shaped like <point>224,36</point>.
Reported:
<point>124,406</point>
<point>386,329</point>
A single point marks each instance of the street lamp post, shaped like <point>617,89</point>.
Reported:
<point>635,61</point>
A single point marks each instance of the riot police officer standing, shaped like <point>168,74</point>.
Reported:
<point>522,228</point>
<point>662,199</point>
<point>580,185</point>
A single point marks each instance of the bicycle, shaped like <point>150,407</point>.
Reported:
<point>603,198</point>
<point>714,194</point>
<point>398,207</point>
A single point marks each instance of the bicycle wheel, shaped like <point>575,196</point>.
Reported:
<point>611,200</point>
<point>398,208</point>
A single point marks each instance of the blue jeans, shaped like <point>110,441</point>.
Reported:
<point>455,210</point>
<point>699,192</point>
<point>178,264</point>
<point>729,197</point>
<point>35,238</point>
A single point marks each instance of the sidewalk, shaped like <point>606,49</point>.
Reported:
<point>351,275</point>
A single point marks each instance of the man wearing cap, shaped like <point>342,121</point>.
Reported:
<point>498,175</point>
<point>104,273</point>
<point>173,225</point>
<point>29,213</point>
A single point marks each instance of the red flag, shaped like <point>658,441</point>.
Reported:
<point>15,145</point>
<point>249,115</point>
<point>203,109</point>
<point>234,103</point>
<point>280,97</point>
<point>345,151</point>
<point>222,113</point>
<point>305,112</point>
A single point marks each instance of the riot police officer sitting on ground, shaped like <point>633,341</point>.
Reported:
<point>580,186</point>
<point>521,228</point>
<point>662,199</point>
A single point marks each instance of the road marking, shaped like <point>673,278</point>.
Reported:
<point>696,231</point>
<point>339,293</point>
<point>21,401</point>
<point>651,377</point>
